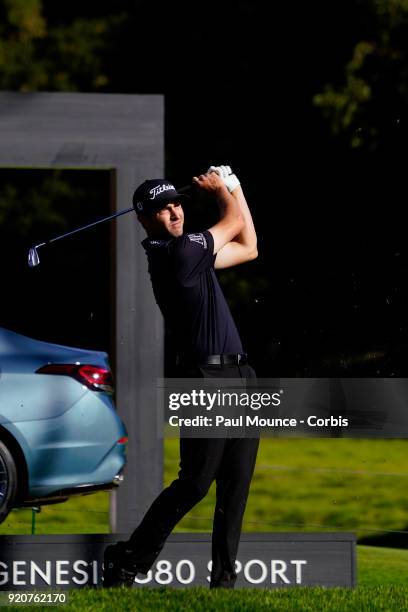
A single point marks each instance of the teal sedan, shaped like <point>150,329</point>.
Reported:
<point>60,434</point>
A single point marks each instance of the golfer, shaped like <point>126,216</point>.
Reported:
<point>181,267</point>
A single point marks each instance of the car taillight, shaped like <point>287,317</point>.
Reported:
<point>98,378</point>
<point>94,377</point>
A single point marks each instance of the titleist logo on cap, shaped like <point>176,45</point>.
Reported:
<point>159,189</point>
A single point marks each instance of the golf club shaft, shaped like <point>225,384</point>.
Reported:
<point>33,257</point>
<point>84,227</point>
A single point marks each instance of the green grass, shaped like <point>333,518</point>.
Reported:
<point>203,600</point>
<point>381,566</point>
<point>318,484</point>
<point>299,484</point>
<point>85,514</point>
<point>387,598</point>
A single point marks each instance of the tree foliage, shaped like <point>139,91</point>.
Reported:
<point>37,55</point>
<point>369,108</point>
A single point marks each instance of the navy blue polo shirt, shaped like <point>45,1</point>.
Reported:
<point>188,294</point>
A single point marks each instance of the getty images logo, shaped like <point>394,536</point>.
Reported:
<point>160,188</point>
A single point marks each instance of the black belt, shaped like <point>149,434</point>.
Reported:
<point>224,359</point>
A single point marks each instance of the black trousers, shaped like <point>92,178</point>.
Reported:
<point>228,461</point>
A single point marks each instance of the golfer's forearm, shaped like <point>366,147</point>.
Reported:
<point>230,212</point>
<point>247,236</point>
<point>231,220</point>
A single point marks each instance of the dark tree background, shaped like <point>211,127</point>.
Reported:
<point>306,101</point>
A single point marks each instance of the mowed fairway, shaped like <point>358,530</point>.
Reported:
<point>315,484</point>
<point>306,485</point>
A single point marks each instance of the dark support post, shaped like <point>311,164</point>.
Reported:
<point>139,350</point>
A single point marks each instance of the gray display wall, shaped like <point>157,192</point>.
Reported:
<point>124,134</point>
<point>264,560</point>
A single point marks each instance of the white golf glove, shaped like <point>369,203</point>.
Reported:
<point>225,173</point>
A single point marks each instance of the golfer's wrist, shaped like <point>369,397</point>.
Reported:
<point>222,194</point>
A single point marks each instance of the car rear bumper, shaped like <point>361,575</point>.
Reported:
<point>63,494</point>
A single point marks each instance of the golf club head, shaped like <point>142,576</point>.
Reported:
<point>33,257</point>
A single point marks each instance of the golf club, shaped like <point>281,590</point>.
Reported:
<point>34,258</point>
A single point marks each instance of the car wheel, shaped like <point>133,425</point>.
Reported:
<point>8,481</point>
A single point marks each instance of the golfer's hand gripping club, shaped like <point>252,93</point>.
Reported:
<point>228,177</point>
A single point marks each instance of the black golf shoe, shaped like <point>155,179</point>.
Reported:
<point>116,571</point>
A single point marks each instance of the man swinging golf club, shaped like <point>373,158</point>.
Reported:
<point>181,266</point>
